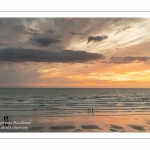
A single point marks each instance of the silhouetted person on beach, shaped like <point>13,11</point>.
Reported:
<point>92,110</point>
<point>5,120</point>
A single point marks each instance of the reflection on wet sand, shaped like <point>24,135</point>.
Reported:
<point>139,128</point>
<point>89,127</point>
<point>62,127</point>
<point>122,123</point>
<point>116,128</point>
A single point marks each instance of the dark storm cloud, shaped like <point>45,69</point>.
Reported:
<point>23,29</point>
<point>62,56</point>
<point>46,41</point>
<point>97,38</point>
<point>129,59</point>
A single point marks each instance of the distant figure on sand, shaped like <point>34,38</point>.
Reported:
<point>92,110</point>
<point>6,118</point>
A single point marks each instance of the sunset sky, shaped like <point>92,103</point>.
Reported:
<point>56,52</point>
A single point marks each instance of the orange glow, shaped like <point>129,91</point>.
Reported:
<point>92,75</point>
<point>43,58</point>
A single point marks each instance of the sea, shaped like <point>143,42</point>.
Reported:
<point>74,101</point>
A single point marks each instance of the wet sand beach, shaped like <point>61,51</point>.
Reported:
<point>75,110</point>
<point>122,123</point>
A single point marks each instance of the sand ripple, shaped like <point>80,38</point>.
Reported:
<point>116,128</point>
<point>89,127</point>
<point>140,128</point>
<point>62,127</point>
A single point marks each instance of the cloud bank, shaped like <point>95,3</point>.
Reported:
<point>62,56</point>
<point>129,59</point>
<point>46,41</point>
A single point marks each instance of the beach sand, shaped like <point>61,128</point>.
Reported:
<point>104,123</point>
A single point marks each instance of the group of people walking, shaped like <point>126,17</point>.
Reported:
<point>90,110</point>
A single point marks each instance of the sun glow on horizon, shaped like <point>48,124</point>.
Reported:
<point>74,52</point>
